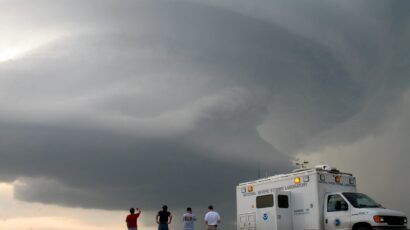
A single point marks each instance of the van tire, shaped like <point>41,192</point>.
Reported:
<point>362,226</point>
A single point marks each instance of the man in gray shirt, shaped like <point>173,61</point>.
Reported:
<point>188,219</point>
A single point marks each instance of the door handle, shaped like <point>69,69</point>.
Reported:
<point>326,220</point>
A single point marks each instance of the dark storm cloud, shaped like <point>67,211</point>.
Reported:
<point>175,102</point>
<point>111,118</point>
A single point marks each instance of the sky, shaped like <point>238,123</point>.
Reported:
<point>107,105</point>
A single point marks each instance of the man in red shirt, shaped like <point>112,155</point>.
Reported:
<point>132,219</point>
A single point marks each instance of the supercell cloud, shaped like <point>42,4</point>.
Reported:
<point>109,103</point>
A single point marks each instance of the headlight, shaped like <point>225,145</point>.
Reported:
<point>405,220</point>
<point>378,219</point>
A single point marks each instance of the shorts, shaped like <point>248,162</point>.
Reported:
<point>133,228</point>
<point>211,227</point>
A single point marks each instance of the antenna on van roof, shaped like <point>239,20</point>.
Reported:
<point>259,170</point>
<point>301,164</point>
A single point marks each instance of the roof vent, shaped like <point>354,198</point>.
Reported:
<point>325,167</point>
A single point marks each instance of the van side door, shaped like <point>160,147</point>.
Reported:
<point>283,210</point>
<point>265,212</point>
<point>336,212</point>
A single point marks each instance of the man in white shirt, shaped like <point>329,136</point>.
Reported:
<point>188,219</point>
<point>212,219</point>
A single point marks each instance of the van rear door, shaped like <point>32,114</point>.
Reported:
<point>247,221</point>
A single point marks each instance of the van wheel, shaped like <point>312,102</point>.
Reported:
<point>362,228</point>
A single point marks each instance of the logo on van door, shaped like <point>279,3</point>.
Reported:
<point>265,216</point>
<point>337,222</point>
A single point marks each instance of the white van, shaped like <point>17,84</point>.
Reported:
<point>320,198</point>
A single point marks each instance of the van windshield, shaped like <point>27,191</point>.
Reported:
<point>359,200</point>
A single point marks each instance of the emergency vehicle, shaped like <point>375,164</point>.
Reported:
<point>320,198</point>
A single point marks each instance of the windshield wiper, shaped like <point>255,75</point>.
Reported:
<point>368,206</point>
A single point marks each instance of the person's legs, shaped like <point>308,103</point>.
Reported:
<point>132,228</point>
<point>163,227</point>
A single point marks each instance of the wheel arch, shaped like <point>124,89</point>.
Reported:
<point>361,224</point>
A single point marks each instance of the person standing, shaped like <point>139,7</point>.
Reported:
<point>132,219</point>
<point>188,219</point>
<point>212,219</point>
<point>163,218</point>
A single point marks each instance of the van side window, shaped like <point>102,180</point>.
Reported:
<point>264,201</point>
<point>283,201</point>
<point>336,203</point>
